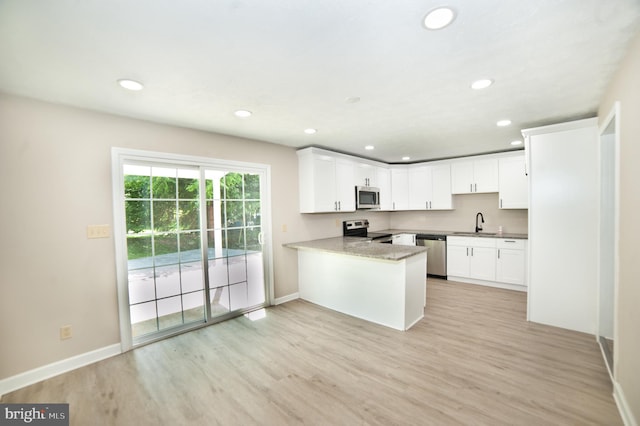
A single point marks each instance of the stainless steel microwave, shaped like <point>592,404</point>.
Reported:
<point>367,197</point>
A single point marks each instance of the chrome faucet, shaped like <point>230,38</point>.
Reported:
<point>479,227</point>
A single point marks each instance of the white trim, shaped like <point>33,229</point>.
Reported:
<point>287,298</point>
<point>623,407</point>
<point>39,374</point>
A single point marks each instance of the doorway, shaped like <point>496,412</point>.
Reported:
<point>190,242</point>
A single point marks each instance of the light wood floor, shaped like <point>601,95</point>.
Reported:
<point>472,360</point>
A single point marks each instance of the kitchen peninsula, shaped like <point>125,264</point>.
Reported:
<point>381,283</point>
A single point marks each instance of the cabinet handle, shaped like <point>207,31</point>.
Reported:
<point>509,241</point>
<point>476,187</point>
<point>339,206</point>
<point>426,205</point>
<point>498,253</point>
<point>335,205</point>
<point>394,205</point>
<point>470,187</point>
<point>467,251</point>
<point>471,251</point>
<point>429,204</point>
<point>500,202</point>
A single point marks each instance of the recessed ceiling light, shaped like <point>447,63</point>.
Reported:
<point>406,158</point>
<point>439,18</point>
<point>503,123</point>
<point>130,84</point>
<point>242,113</point>
<point>369,147</point>
<point>481,84</point>
<point>516,143</point>
<point>310,131</point>
<point>352,100</point>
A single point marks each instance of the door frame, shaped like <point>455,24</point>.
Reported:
<point>118,158</point>
<point>612,118</point>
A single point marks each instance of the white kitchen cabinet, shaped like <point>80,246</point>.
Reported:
<point>430,187</point>
<point>471,257</point>
<point>366,174</point>
<point>513,185</point>
<point>326,182</point>
<point>383,182</point>
<point>399,188</point>
<point>404,239</point>
<point>474,176</point>
<point>511,261</point>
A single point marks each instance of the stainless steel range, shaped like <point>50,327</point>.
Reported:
<point>359,228</point>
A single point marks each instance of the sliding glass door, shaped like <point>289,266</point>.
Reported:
<point>194,243</point>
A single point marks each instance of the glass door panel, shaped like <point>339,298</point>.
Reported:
<point>177,218</point>
<point>163,247</point>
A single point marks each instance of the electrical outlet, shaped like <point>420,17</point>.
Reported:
<point>66,332</point>
<point>284,228</point>
<point>98,231</point>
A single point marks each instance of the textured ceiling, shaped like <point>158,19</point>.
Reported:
<point>294,63</point>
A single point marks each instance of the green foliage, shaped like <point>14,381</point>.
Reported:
<point>173,204</point>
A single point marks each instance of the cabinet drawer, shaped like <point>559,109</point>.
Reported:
<point>510,243</point>
<point>472,241</point>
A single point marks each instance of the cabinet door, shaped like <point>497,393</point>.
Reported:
<point>419,188</point>
<point>485,174</point>
<point>383,177</point>
<point>345,185</point>
<point>399,189</point>
<point>510,266</point>
<point>457,261</point>
<point>324,184</point>
<point>441,187</point>
<point>482,263</point>
<point>462,177</point>
<point>514,192</point>
<point>366,175</point>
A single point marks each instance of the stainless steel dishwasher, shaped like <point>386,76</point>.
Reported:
<point>436,255</point>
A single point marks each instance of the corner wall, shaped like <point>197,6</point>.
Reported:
<point>625,87</point>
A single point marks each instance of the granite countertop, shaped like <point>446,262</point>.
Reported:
<point>362,247</point>
<point>456,233</point>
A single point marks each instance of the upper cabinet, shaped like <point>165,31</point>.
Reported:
<point>383,182</point>
<point>430,187</point>
<point>474,176</point>
<point>366,175</point>
<point>399,188</point>
<point>326,182</point>
<point>513,192</point>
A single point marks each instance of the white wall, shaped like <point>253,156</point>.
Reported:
<point>55,168</point>
<point>625,88</point>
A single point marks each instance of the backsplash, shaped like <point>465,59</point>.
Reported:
<point>463,217</point>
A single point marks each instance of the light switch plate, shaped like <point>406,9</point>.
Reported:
<point>98,231</point>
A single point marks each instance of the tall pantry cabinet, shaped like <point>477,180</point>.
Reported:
<point>563,224</point>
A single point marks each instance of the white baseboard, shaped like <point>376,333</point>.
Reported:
<point>39,374</point>
<point>287,298</point>
<point>505,286</point>
<point>623,407</point>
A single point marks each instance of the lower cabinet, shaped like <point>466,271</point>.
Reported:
<point>495,262</point>
<point>511,261</point>
<point>471,257</point>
